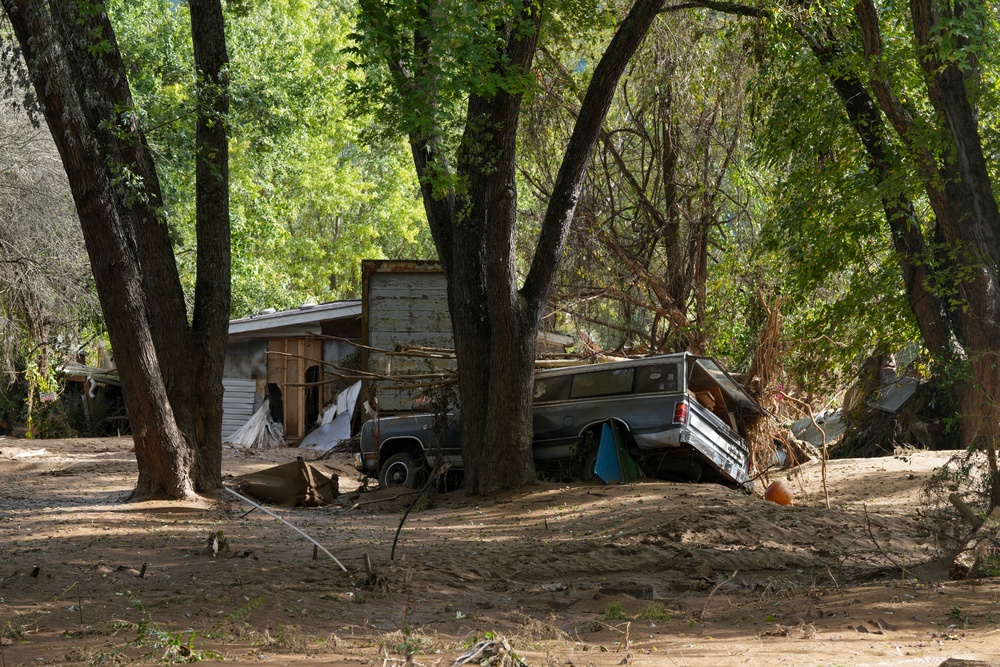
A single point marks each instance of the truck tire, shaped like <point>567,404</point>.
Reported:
<point>401,470</point>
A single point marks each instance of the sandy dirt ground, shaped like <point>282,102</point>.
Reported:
<point>647,573</point>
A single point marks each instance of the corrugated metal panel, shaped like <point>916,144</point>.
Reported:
<point>237,403</point>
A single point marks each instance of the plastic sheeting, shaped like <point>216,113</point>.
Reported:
<point>260,431</point>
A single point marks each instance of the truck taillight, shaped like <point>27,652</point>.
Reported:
<point>681,413</point>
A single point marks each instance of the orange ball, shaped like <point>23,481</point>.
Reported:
<point>778,492</point>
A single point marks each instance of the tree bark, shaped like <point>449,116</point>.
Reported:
<point>79,78</point>
<point>210,323</point>
<point>960,191</point>
<point>976,232</point>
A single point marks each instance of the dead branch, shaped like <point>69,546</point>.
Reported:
<point>967,512</point>
<point>380,500</point>
<point>701,616</point>
<point>822,433</point>
<point>868,525</point>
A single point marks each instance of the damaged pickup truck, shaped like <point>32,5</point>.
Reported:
<point>678,416</point>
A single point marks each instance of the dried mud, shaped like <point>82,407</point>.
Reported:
<point>649,573</point>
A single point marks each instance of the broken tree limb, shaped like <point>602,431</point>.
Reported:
<point>434,478</point>
<point>823,457</point>
<point>296,529</point>
<point>981,554</point>
<point>369,574</point>
<point>380,500</point>
<point>701,616</point>
<point>965,510</point>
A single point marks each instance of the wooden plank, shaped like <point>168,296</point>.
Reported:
<point>276,364</point>
<point>293,402</point>
<point>431,322</point>
<point>314,350</point>
<point>403,365</point>
<point>406,308</point>
<point>415,302</point>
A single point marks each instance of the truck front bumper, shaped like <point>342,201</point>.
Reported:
<point>366,463</point>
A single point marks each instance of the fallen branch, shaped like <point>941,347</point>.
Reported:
<point>980,550</point>
<point>496,651</point>
<point>965,510</point>
<point>380,500</point>
<point>822,433</point>
<point>297,530</point>
<point>625,640</point>
<point>435,476</point>
<point>701,616</point>
<point>868,524</point>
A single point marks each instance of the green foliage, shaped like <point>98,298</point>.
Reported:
<point>615,611</point>
<point>654,612</point>
<point>828,228</point>
<point>310,192</point>
<point>154,642</point>
<point>443,51</point>
<point>956,614</point>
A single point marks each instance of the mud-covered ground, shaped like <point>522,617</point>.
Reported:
<point>649,573</point>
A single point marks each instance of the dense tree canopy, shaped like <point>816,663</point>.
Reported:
<point>49,308</point>
<point>315,187</point>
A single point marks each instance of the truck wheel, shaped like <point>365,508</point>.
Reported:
<point>401,470</point>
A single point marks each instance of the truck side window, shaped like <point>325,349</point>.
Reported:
<point>552,389</point>
<point>653,379</point>
<point>602,383</point>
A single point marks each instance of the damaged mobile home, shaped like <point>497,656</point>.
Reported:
<point>291,359</point>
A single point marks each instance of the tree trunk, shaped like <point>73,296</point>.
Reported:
<point>210,323</point>
<point>79,78</point>
<point>960,191</point>
<point>495,324</point>
<point>976,233</point>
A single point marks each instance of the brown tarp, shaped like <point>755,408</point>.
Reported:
<point>290,484</point>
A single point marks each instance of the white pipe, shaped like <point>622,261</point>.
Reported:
<point>297,530</point>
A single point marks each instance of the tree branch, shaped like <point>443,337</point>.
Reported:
<point>733,8</point>
<point>586,133</point>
